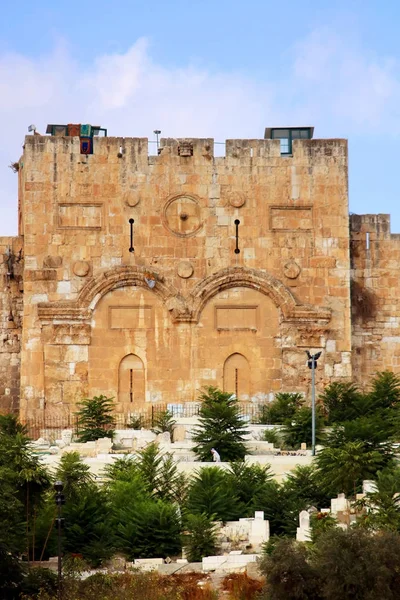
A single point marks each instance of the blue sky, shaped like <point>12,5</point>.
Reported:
<point>209,68</point>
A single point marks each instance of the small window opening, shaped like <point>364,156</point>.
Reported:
<point>131,385</point>
<point>286,137</point>
<point>251,152</point>
<point>367,240</point>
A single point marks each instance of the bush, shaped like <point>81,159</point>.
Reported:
<point>289,573</point>
<point>221,427</point>
<point>136,422</point>
<point>357,565</point>
<point>164,421</point>
<point>37,581</point>
<point>201,537</point>
<point>272,436</point>
<point>241,587</point>
<point>148,530</point>
<point>281,408</point>
<point>95,418</point>
<point>343,469</point>
<point>210,494</point>
<point>298,428</point>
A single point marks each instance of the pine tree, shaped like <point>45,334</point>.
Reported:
<point>95,418</point>
<point>221,427</point>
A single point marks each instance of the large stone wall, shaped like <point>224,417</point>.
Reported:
<point>11,306</point>
<point>183,309</point>
<point>375,255</point>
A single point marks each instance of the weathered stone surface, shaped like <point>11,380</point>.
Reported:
<point>184,310</point>
<point>81,268</point>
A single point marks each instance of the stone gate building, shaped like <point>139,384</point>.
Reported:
<point>146,277</point>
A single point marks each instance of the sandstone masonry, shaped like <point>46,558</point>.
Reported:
<point>151,310</point>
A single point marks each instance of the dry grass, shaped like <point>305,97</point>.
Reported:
<point>241,587</point>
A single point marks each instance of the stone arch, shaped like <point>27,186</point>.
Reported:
<point>237,376</point>
<point>243,277</point>
<point>261,281</point>
<point>131,381</point>
<point>99,286</point>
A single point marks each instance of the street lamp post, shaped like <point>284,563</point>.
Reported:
<point>312,364</point>
<point>157,132</point>
<point>60,500</point>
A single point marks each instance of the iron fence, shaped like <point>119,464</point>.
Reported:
<point>51,426</point>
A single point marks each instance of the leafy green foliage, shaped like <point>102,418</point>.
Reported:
<point>342,469</point>
<point>342,564</point>
<point>201,537</point>
<point>88,531</point>
<point>298,429</point>
<point>74,474</point>
<point>247,484</point>
<point>221,427</point>
<point>136,422</point>
<point>289,572</point>
<point>320,523</point>
<point>384,503</point>
<point>210,495</point>
<point>148,529</point>
<point>281,409</point>
<point>24,473</point>
<point>37,581</point>
<point>342,402</point>
<point>164,421</point>
<point>273,436</point>
<point>10,426</point>
<point>357,565</point>
<point>95,418</point>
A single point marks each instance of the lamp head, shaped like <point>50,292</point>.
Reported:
<point>59,486</point>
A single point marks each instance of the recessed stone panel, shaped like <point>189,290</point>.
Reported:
<point>80,216</point>
<point>236,317</point>
<point>291,218</point>
<point>130,317</point>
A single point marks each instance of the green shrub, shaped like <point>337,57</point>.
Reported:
<point>164,422</point>
<point>211,495</point>
<point>221,427</point>
<point>272,436</point>
<point>200,538</point>
<point>95,418</point>
<point>298,428</point>
<point>281,408</point>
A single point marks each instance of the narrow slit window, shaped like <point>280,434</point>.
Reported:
<point>367,240</point>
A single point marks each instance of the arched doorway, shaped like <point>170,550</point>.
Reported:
<point>131,380</point>
<point>237,376</point>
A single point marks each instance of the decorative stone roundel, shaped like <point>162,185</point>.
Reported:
<point>291,270</point>
<point>236,199</point>
<point>182,216</point>
<point>132,198</point>
<point>81,268</point>
<point>185,269</point>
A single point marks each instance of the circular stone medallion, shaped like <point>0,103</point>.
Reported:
<point>182,216</point>
<point>236,199</point>
<point>132,198</point>
<point>81,268</point>
<point>291,270</point>
<point>185,269</point>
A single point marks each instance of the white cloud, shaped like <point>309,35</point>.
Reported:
<point>338,88</point>
<point>346,85</point>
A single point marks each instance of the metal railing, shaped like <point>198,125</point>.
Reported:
<point>50,427</point>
